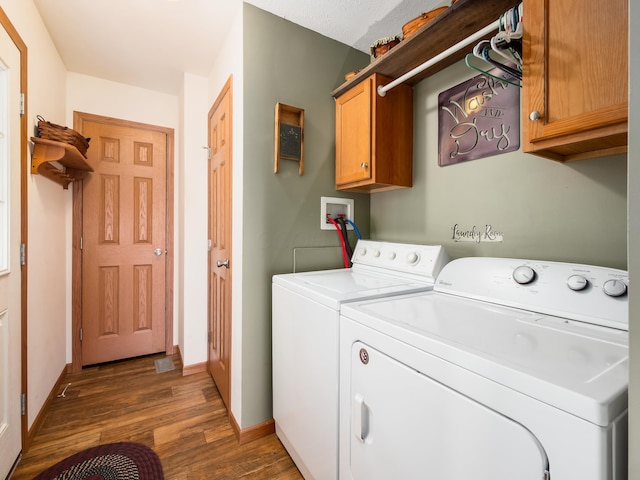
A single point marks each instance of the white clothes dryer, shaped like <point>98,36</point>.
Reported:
<point>305,329</point>
<point>508,369</point>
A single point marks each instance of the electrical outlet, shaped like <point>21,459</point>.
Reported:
<point>335,207</point>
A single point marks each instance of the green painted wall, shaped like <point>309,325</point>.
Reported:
<point>573,212</point>
<point>285,63</point>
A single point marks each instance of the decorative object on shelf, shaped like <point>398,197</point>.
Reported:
<point>289,136</point>
<point>412,26</point>
<point>58,161</point>
<point>351,74</point>
<point>52,131</point>
<point>383,45</point>
<point>478,118</point>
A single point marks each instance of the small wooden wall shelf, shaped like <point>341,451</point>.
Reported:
<point>74,164</point>
<point>289,136</point>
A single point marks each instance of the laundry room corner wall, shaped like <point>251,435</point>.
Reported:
<point>285,63</point>
<point>538,208</point>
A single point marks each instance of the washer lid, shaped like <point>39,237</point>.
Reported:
<point>333,287</point>
<point>576,367</point>
<point>379,269</point>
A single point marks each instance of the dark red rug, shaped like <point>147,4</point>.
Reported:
<point>113,461</point>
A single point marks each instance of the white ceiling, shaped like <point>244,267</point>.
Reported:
<point>151,43</point>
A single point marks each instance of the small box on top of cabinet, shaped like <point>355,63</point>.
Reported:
<point>374,137</point>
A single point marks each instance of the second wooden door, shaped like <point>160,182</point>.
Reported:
<point>220,263</point>
<point>123,242</point>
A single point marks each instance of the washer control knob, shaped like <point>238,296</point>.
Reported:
<point>614,288</point>
<point>391,255</point>
<point>412,258</point>
<point>524,274</point>
<point>577,282</point>
<point>376,253</point>
<point>363,252</point>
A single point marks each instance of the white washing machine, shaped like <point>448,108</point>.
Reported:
<point>305,328</point>
<point>509,369</point>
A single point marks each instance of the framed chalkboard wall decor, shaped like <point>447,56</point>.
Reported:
<point>289,136</point>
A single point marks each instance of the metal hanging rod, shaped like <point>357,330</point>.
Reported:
<point>383,89</point>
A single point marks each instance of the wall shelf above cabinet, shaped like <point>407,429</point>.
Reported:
<point>58,161</point>
<point>458,22</point>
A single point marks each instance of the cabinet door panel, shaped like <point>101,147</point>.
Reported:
<point>353,135</point>
<point>575,76</point>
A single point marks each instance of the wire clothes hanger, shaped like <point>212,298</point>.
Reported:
<point>506,46</point>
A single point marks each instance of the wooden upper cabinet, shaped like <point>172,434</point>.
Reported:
<point>374,137</point>
<point>575,78</point>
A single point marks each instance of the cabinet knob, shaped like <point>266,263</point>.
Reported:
<point>364,165</point>
<point>535,115</point>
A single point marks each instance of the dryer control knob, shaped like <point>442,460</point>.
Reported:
<point>577,282</point>
<point>376,253</point>
<point>391,255</point>
<point>614,288</point>
<point>412,258</point>
<point>524,274</point>
<point>363,252</point>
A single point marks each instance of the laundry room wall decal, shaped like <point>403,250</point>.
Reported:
<point>476,234</point>
<point>478,118</point>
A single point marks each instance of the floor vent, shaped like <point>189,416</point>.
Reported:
<point>164,365</point>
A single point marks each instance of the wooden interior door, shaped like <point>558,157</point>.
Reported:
<point>219,323</point>
<point>123,241</point>
<point>10,270</point>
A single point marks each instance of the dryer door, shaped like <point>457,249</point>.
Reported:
<point>406,425</point>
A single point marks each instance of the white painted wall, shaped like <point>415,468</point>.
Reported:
<point>192,192</point>
<point>230,62</point>
<point>111,99</point>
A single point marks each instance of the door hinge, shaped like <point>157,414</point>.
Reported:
<point>208,337</point>
<point>208,149</point>
<point>23,404</point>
<point>22,104</point>
<point>23,254</point>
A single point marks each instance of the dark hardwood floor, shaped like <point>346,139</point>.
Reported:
<point>182,418</point>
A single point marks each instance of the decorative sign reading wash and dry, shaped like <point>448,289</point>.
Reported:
<point>478,118</point>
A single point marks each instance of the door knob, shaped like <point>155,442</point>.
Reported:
<point>223,263</point>
<point>157,252</point>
